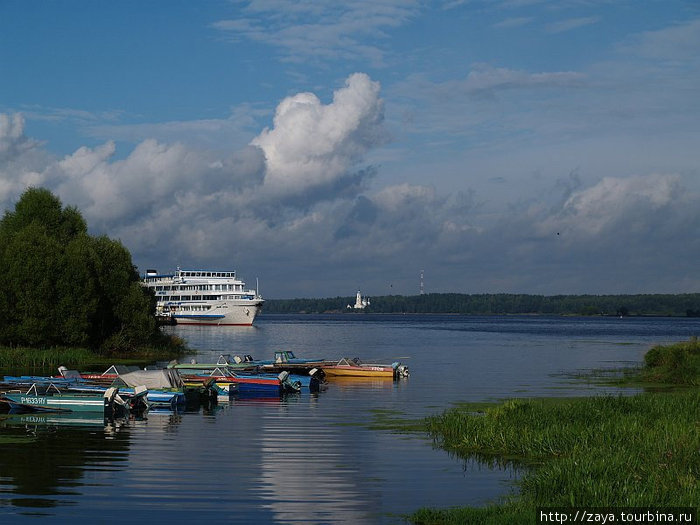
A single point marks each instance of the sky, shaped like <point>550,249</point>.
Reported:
<point>319,147</point>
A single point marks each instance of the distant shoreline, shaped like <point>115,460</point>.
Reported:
<point>641,305</point>
<point>455,314</point>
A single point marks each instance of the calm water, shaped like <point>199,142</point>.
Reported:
<point>314,458</point>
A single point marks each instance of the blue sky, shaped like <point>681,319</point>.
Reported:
<point>520,146</point>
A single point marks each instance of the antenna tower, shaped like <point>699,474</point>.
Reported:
<point>422,290</point>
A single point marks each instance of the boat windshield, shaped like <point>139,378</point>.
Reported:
<point>346,361</point>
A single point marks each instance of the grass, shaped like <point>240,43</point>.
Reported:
<point>677,364</point>
<point>45,359</point>
<point>605,451</point>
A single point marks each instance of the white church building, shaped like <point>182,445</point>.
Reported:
<point>360,303</point>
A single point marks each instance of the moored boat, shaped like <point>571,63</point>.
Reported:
<point>224,362</point>
<point>250,383</point>
<point>103,378</point>
<point>285,360</point>
<point>165,387</point>
<point>347,367</point>
<point>53,399</point>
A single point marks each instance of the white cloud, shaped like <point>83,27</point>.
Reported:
<point>313,145</point>
<point>169,201</point>
<point>13,142</point>
<point>297,206</point>
<point>21,158</point>
<point>614,203</point>
<point>320,30</point>
<point>679,42</point>
<point>571,23</point>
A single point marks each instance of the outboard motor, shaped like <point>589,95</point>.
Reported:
<point>400,370</point>
<point>114,405</point>
<point>288,385</point>
<point>318,377</point>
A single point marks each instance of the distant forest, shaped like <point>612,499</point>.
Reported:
<point>485,304</point>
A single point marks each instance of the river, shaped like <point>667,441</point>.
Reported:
<point>316,458</point>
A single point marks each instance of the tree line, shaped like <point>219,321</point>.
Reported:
<point>61,287</point>
<point>493,304</point>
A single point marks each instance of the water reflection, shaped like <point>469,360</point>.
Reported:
<point>311,476</point>
<point>46,458</point>
<point>376,384</point>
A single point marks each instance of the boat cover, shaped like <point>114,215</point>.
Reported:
<point>164,378</point>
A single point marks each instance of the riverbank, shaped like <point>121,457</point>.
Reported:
<point>605,451</point>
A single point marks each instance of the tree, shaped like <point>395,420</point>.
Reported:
<point>62,287</point>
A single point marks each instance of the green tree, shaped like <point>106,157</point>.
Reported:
<point>62,287</point>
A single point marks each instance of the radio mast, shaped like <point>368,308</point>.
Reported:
<point>422,289</point>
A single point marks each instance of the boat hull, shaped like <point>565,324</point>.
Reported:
<point>358,371</point>
<point>56,403</point>
<point>222,315</point>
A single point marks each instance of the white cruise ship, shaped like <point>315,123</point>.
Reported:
<point>203,297</point>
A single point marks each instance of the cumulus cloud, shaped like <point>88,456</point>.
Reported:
<point>300,208</point>
<point>21,158</point>
<point>187,201</point>
<point>314,146</point>
<point>615,202</point>
<point>13,142</point>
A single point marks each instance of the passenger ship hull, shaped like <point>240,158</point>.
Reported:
<point>202,297</point>
<point>223,314</point>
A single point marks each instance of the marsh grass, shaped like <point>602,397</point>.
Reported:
<point>605,451</point>
<point>665,368</point>
<point>601,451</point>
<point>395,421</point>
<point>47,360</point>
<point>677,364</point>
<point>33,358</point>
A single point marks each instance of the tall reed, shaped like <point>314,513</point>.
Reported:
<point>48,359</point>
<point>35,358</point>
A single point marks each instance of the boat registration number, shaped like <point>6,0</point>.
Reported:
<point>34,400</point>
